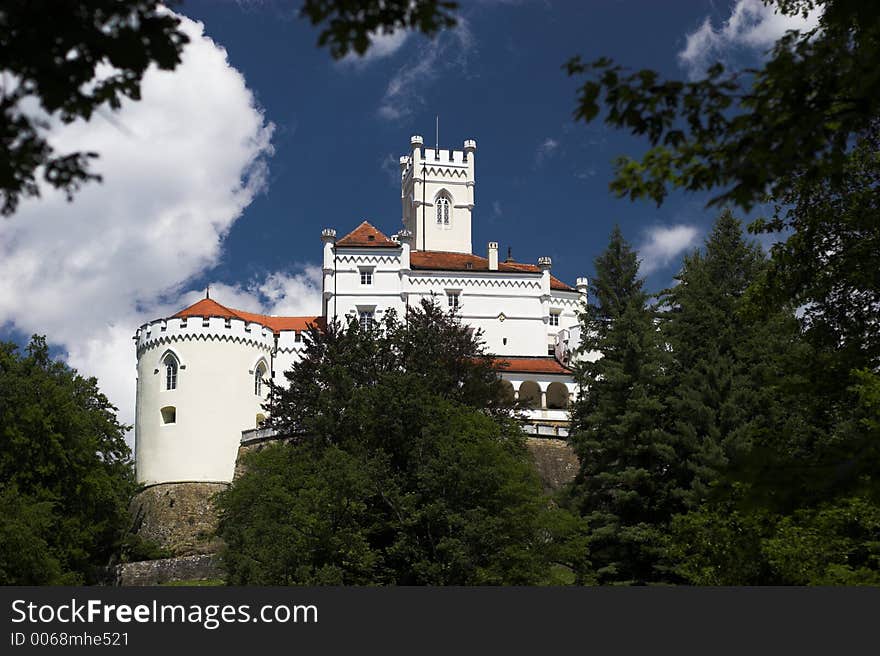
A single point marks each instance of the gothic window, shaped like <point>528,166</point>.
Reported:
<point>259,375</point>
<point>442,210</point>
<point>366,320</point>
<point>170,363</point>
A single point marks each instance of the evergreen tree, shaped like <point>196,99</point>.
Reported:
<point>629,483</point>
<point>716,353</point>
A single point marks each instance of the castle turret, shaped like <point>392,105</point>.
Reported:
<point>437,195</point>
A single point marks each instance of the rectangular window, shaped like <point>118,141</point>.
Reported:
<point>554,318</point>
<point>366,320</point>
<point>551,349</point>
<point>452,299</point>
<point>366,276</point>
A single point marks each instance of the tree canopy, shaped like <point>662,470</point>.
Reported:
<point>68,59</point>
<point>747,133</point>
<point>66,475</point>
<point>403,469</point>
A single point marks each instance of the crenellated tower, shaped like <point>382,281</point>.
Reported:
<point>437,195</point>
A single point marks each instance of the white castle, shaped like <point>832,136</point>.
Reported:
<point>202,372</point>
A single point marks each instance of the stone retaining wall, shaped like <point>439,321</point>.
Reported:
<point>555,461</point>
<point>202,567</point>
<point>178,517</point>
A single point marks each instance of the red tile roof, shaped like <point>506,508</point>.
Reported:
<point>442,261</point>
<point>366,236</point>
<point>208,307</point>
<point>536,365</point>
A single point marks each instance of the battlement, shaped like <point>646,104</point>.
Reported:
<point>163,331</point>
<point>446,156</point>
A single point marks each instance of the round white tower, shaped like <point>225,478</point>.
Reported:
<point>202,379</point>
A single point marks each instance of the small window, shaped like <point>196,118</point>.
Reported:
<point>442,210</point>
<point>170,363</point>
<point>169,414</point>
<point>453,299</point>
<point>259,375</point>
<point>551,349</point>
<point>366,320</point>
<point>366,276</point>
<point>554,318</point>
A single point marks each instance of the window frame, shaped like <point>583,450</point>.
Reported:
<point>172,371</point>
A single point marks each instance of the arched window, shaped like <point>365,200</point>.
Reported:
<point>259,374</point>
<point>169,414</point>
<point>170,363</point>
<point>557,396</point>
<point>530,394</point>
<point>442,210</point>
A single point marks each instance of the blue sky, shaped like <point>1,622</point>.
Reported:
<point>542,180</point>
<point>229,167</point>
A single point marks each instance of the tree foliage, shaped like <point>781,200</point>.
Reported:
<point>403,470</point>
<point>65,469</point>
<point>348,26</point>
<point>67,60</point>
<point>747,132</point>
<point>628,486</point>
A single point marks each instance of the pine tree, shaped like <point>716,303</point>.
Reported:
<point>714,354</point>
<point>628,486</point>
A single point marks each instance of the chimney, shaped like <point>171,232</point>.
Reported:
<point>405,238</point>
<point>493,256</point>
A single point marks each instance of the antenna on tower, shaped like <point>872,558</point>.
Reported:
<point>437,151</point>
<point>208,291</point>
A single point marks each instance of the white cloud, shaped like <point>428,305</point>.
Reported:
<point>179,168</point>
<point>662,244</point>
<point>545,150</point>
<point>448,50</point>
<point>752,25</point>
<point>382,45</point>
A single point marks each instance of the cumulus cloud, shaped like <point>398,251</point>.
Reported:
<point>752,25</point>
<point>179,168</point>
<point>382,45</point>
<point>546,149</point>
<point>448,50</point>
<point>662,244</point>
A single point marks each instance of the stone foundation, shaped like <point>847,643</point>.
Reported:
<point>555,461</point>
<point>178,517</point>
<point>202,567</point>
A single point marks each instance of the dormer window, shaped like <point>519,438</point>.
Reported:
<point>442,210</point>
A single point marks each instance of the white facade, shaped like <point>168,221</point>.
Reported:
<point>525,315</point>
